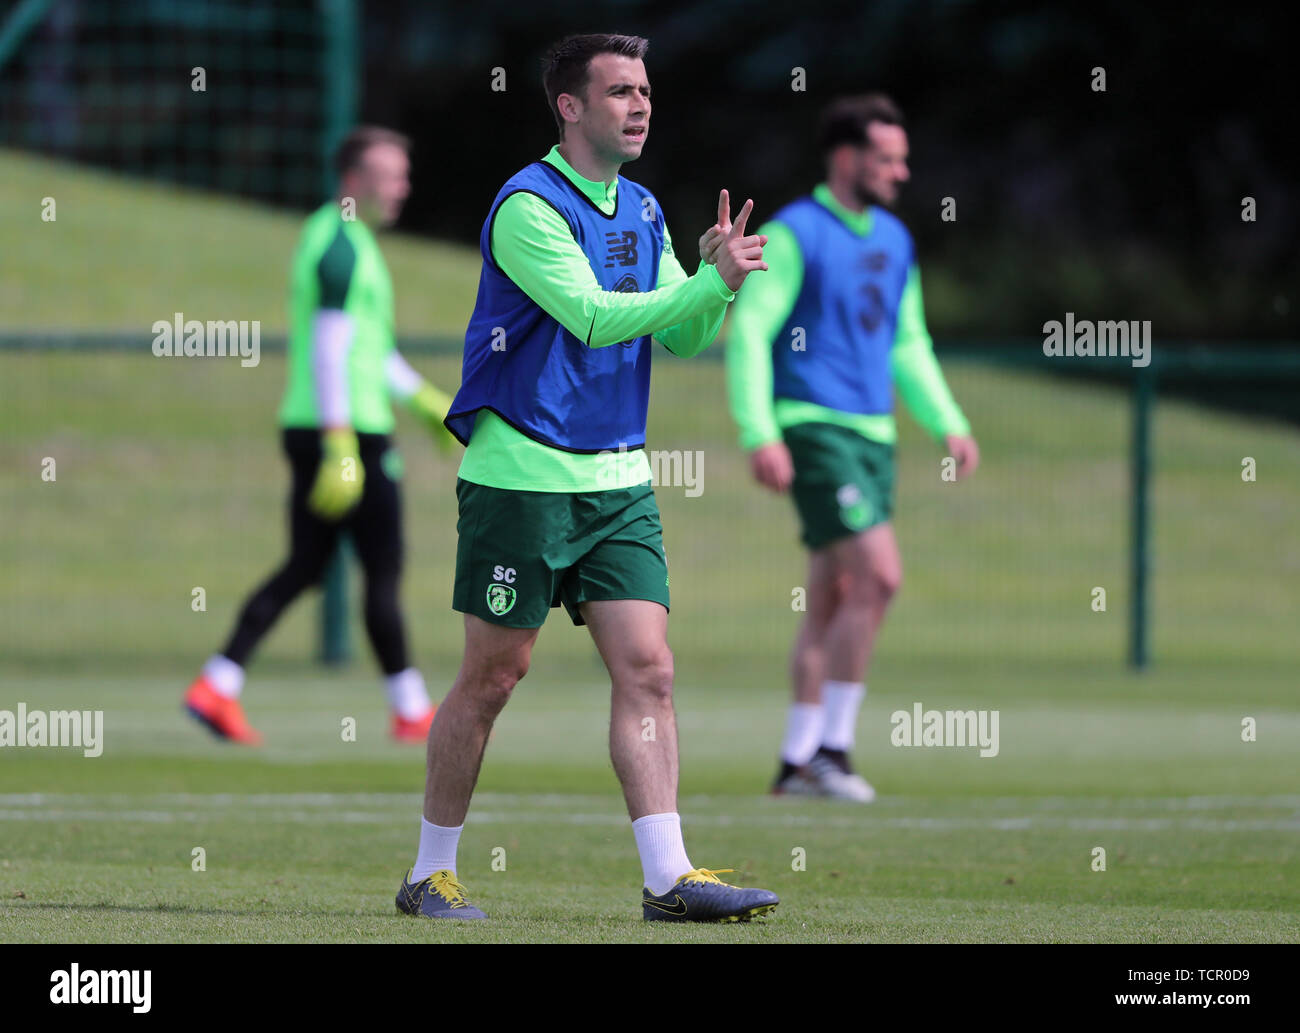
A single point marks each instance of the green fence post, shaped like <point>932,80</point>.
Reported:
<point>338,112</point>
<point>339,77</point>
<point>1143,399</point>
<point>335,639</point>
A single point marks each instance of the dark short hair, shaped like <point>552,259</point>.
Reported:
<point>845,119</point>
<point>568,63</point>
<point>348,154</point>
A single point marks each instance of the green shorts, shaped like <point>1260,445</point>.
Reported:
<point>843,482</point>
<point>520,553</point>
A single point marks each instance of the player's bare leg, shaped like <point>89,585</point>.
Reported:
<point>870,571</point>
<point>495,659</point>
<point>808,658</point>
<point>804,721</point>
<point>851,583</point>
<point>632,637</point>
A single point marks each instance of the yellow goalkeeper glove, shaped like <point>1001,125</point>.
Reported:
<point>340,478</point>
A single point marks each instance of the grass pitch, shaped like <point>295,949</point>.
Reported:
<point>307,840</point>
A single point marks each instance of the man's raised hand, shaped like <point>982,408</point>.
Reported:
<point>737,255</point>
<point>713,236</point>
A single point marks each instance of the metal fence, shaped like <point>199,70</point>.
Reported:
<point>242,96</point>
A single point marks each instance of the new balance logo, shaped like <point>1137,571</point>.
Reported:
<point>622,248</point>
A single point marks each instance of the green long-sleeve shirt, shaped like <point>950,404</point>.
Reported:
<point>761,310</point>
<point>534,246</point>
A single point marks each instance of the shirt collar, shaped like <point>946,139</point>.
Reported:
<point>598,193</point>
<point>858,222</point>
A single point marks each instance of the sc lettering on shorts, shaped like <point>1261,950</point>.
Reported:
<point>506,574</point>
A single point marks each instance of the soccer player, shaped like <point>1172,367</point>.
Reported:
<point>554,491</point>
<point>336,419</point>
<point>815,349</point>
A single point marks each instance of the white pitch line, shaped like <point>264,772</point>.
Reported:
<point>864,822</point>
<point>575,801</point>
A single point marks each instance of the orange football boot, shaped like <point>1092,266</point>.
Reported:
<point>412,729</point>
<point>224,716</point>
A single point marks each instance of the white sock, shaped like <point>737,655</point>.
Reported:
<point>841,699</point>
<point>407,694</point>
<point>663,854</point>
<point>226,676</point>
<point>803,732</point>
<point>437,850</point>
